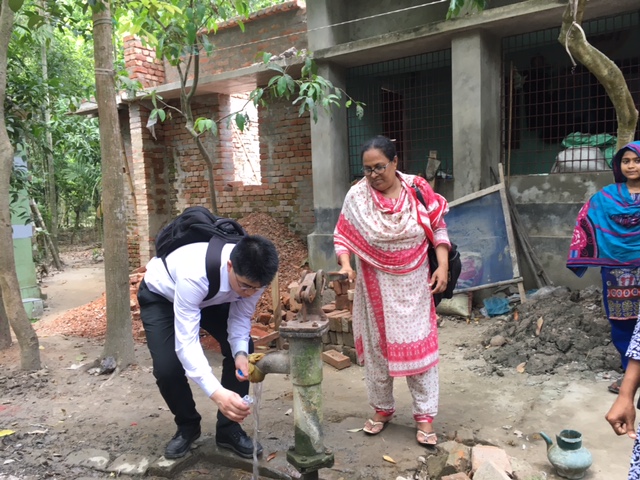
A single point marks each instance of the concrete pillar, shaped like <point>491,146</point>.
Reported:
<point>476,79</point>
<point>330,169</point>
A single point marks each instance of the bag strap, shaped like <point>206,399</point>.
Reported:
<point>419,195</point>
<point>213,264</point>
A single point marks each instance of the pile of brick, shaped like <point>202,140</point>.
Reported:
<point>338,342</point>
<point>457,461</point>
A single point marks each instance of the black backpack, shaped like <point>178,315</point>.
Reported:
<point>197,224</point>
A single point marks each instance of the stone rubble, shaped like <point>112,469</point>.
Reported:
<point>455,461</point>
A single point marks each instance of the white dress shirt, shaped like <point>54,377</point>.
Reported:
<point>184,282</point>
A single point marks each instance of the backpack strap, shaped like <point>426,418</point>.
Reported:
<point>419,195</point>
<point>213,264</point>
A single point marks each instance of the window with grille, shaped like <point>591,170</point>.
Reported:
<point>409,101</point>
<point>558,118</point>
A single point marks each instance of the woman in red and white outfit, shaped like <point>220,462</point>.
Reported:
<point>389,231</point>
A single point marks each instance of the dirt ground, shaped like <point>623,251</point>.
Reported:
<point>62,409</point>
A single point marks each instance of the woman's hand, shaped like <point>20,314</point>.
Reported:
<point>231,404</point>
<point>440,277</point>
<point>439,280</point>
<point>345,266</point>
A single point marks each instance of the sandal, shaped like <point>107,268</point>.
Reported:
<point>615,386</point>
<point>429,439</point>
<point>372,427</point>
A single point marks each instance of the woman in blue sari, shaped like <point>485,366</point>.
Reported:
<point>607,235</point>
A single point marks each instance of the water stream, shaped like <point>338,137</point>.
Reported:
<point>257,397</point>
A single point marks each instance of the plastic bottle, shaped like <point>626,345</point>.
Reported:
<point>247,399</point>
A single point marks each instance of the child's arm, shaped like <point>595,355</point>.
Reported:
<point>622,414</point>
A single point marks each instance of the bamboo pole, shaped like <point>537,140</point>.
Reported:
<point>277,307</point>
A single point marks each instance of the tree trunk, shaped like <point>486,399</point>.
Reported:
<point>51,179</point>
<point>604,69</point>
<point>5,329</point>
<point>11,299</point>
<point>119,337</point>
<point>185,104</point>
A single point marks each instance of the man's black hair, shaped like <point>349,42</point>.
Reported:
<point>255,258</point>
<point>381,143</point>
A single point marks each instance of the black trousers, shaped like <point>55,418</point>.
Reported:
<point>158,320</point>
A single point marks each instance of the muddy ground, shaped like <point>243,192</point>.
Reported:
<point>487,392</point>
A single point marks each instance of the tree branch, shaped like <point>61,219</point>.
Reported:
<point>196,73</point>
<point>603,68</point>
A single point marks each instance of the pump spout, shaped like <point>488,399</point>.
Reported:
<point>276,362</point>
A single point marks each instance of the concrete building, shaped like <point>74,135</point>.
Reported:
<point>477,91</point>
<point>481,89</point>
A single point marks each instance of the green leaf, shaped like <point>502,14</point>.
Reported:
<point>191,33</point>
<point>15,5</point>
<point>208,46</point>
<point>266,56</point>
<point>310,104</point>
<point>273,80</point>
<point>359,111</point>
<point>281,87</point>
<point>34,21</point>
<point>240,121</point>
<point>256,94</point>
<point>277,68</point>
<point>291,84</point>
<point>162,114</point>
<point>348,104</point>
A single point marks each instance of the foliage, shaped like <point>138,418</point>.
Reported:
<point>79,176</point>
<point>456,6</point>
<point>312,90</point>
<point>179,31</point>
<point>70,61</point>
<point>19,183</point>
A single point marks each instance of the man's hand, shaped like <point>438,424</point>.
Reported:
<point>231,404</point>
<point>242,367</point>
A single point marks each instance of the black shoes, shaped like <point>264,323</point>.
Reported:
<point>180,443</point>
<point>234,438</point>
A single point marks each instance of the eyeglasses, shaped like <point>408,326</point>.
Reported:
<point>379,169</point>
<point>245,286</point>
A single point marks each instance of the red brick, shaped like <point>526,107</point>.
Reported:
<point>336,359</point>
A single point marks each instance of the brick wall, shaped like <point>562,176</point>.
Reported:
<point>246,144</point>
<point>285,165</point>
<point>142,63</point>
<point>169,171</point>
<point>273,30</point>
<point>133,233</point>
